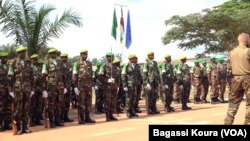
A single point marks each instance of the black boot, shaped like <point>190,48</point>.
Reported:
<point>156,111</point>
<point>51,122</point>
<point>26,129</point>
<point>134,113</point>
<point>7,125</point>
<point>1,127</point>
<point>129,114</point>
<point>82,119</point>
<point>185,107</point>
<point>107,117</point>
<point>112,116</point>
<point>58,121</point>
<point>170,109</point>
<point>88,119</point>
<point>18,129</point>
<point>137,110</point>
<point>37,121</point>
<point>67,119</point>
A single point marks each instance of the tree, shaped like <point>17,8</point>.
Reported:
<point>33,28</point>
<point>10,49</point>
<point>216,29</point>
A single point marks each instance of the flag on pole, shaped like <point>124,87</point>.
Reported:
<point>121,27</point>
<point>114,25</point>
<point>128,32</point>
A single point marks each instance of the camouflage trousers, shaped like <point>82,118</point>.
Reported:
<point>131,97</point>
<point>185,92</point>
<point>55,102</point>
<point>66,105</point>
<point>214,91</point>
<point>240,86</point>
<point>177,92</point>
<point>168,95</point>
<point>99,100</point>
<point>36,106</point>
<point>5,106</point>
<point>151,97</point>
<point>197,88</point>
<point>110,97</point>
<point>229,83</point>
<point>138,95</point>
<point>22,106</point>
<point>222,88</point>
<point>205,87</point>
<point>85,98</point>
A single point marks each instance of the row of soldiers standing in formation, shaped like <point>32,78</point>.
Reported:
<point>30,87</point>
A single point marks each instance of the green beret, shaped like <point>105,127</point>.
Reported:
<point>150,53</point>
<point>203,61</point>
<point>21,48</point>
<point>130,56</point>
<point>52,50</point>
<point>40,61</point>
<point>64,55</point>
<point>221,59</point>
<point>167,55</point>
<point>109,54</point>
<point>196,61</point>
<point>212,57</point>
<point>34,56</point>
<point>98,63</point>
<point>84,51</point>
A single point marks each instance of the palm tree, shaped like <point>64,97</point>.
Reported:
<point>10,49</point>
<point>31,27</point>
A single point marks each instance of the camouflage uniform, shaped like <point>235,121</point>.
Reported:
<point>183,79</point>
<point>53,69</point>
<point>36,103</point>
<point>139,87</point>
<point>22,81</point>
<point>229,76</point>
<point>107,72</point>
<point>168,80</point>
<point>130,80</point>
<point>118,80</point>
<point>151,78</point>
<point>196,74</point>
<point>82,72</point>
<point>99,91</point>
<point>204,83</point>
<point>5,99</point>
<point>177,89</point>
<point>222,73</point>
<point>212,71</point>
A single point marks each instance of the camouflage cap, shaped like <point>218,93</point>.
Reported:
<point>109,54</point>
<point>21,48</point>
<point>40,61</point>
<point>64,55</point>
<point>84,51</point>
<point>34,56</point>
<point>3,54</point>
<point>52,50</point>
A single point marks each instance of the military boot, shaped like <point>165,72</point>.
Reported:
<point>18,129</point>
<point>38,121</point>
<point>107,117</point>
<point>58,121</point>
<point>185,107</point>
<point>129,114</point>
<point>88,119</point>
<point>7,125</point>
<point>170,109</point>
<point>155,111</point>
<point>51,122</point>
<point>67,119</point>
<point>112,116</point>
<point>26,129</point>
<point>82,119</point>
<point>137,110</point>
<point>134,113</point>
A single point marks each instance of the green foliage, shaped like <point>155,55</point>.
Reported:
<point>10,49</point>
<point>32,27</point>
<point>216,29</point>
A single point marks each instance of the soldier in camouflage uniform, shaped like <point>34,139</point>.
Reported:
<point>222,73</point>
<point>139,85</point>
<point>168,82</point>
<point>36,98</point>
<point>107,72</point>
<point>196,78</point>
<point>129,80</point>
<point>212,75</point>
<point>21,75</point>
<point>118,80</point>
<point>53,74</point>
<point>239,60</point>
<point>67,71</point>
<point>177,88</point>
<point>151,82</point>
<point>5,98</point>
<point>99,90</point>
<point>183,79</point>
<point>83,79</point>
<point>229,75</point>
<point>204,82</point>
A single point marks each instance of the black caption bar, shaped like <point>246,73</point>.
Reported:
<point>216,132</point>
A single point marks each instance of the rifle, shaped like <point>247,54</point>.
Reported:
<point>46,113</point>
<point>14,128</point>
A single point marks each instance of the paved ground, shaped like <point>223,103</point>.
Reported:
<point>135,129</point>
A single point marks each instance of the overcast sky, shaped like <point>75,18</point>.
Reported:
<point>147,26</point>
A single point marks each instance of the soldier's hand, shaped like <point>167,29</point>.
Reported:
<point>65,90</point>
<point>111,80</point>
<point>125,89</point>
<point>32,93</point>
<point>165,86</point>
<point>45,94</point>
<point>148,87</point>
<point>96,87</point>
<point>12,94</point>
<point>76,91</point>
